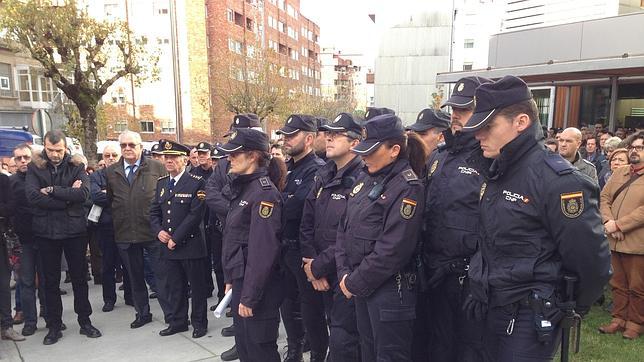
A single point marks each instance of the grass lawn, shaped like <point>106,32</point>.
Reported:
<point>601,347</point>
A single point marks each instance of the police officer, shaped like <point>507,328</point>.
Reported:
<point>156,152</point>
<point>252,244</point>
<point>218,206</point>
<point>205,170</point>
<point>377,111</point>
<point>538,220</point>
<point>299,134</point>
<point>322,209</point>
<point>175,215</point>
<point>429,126</point>
<point>320,139</point>
<point>377,237</point>
<point>452,189</point>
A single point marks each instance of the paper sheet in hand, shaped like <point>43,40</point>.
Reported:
<point>223,304</point>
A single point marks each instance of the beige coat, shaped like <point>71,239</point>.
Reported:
<point>627,210</point>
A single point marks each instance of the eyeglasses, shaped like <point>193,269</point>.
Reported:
<point>639,148</point>
<point>113,155</point>
<point>130,145</point>
<point>26,158</point>
<point>334,135</point>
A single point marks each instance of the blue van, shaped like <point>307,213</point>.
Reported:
<point>10,138</point>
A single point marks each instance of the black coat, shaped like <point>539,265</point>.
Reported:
<point>217,203</point>
<point>251,241</point>
<point>98,193</point>
<point>378,232</point>
<point>298,185</point>
<point>451,202</point>
<point>21,212</point>
<point>322,210</point>
<point>179,213</point>
<point>61,214</point>
<point>538,218</point>
<point>7,201</point>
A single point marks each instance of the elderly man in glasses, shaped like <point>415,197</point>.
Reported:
<point>131,184</point>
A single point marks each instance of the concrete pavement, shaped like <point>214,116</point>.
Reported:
<point>119,342</point>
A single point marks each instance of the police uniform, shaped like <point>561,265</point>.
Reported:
<point>452,188</point>
<point>300,293</point>
<point>377,111</point>
<point>217,203</point>
<point>538,220</point>
<point>322,210</point>
<point>178,209</point>
<point>376,240</point>
<point>251,253</point>
<point>429,118</point>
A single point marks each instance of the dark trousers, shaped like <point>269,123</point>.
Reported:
<point>215,238</point>
<point>385,322</point>
<point>210,286</point>
<point>6,320</point>
<point>50,252</point>
<point>148,270</point>
<point>256,336</point>
<point>180,274</point>
<point>521,344</point>
<point>292,305</point>
<point>132,256</point>
<point>441,330</point>
<point>95,255</point>
<point>30,266</point>
<point>110,263</point>
<point>344,341</point>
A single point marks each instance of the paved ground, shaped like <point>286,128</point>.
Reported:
<point>119,342</point>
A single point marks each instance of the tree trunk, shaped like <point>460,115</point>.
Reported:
<point>88,125</point>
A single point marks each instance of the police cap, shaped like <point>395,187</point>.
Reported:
<point>173,148</point>
<point>463,93</point>
<point>490,98</point>
<point>374,111</point>
<point>245,139</point>
<point>156,149</point>
<point>377,130</point>
<point>344,122</point>
<point>204,147</point>
<point>430,118</point>
<point>215,153</point>
<point>298,122</point>
<point>321,121</point>
<point>244,120</point>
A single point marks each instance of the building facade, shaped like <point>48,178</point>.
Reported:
<point>344,78</point>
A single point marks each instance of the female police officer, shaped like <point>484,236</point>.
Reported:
<point>251,243</point>
<point>377,237</point>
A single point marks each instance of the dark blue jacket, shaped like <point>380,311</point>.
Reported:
<point>378,232</point>
<point>322,210</point>
<point>298,185</point>
<point>539,219</point>
<point>452,190</point>
<point>97,191</point>
<point>217,203</point>
<point>21,211</point>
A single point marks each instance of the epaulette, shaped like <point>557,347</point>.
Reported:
<point>409,175</point>
<point>558,164</point>
<point>265,182</point>
<point>195,176</point>
<point>162,177</point>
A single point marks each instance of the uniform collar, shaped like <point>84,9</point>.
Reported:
<point>513,152</point>
<point>178,177</point>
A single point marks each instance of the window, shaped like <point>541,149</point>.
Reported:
<point>274,2</point>
<point>250,51</point>
<point>468,44</point>
<point>280,4</point>
<point>305,52</point>
<point>34,87</point>
<point>250,24</point>
<point>280,26</point>
<point>147,126</point>
<point>230,15</point>
<point>291,11</point>
<point>272,23</point>
<point>467,66</point>
<point>167,126</point>
<point>239,19</point>
<point>4,83</point>
<point>234,46</point>
<point>293,54</point>
<point>120,126</point>
<point>283,49</point>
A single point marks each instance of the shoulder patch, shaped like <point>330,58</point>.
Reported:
<point>195,176</point>
<point>407,208</point>
<point>162,177</point>
<point>265,182</point>
<point>201,195</point>
<point>409,175</point>
<point>558,164</point>
<point>265,209</point>
<point>572,204</point>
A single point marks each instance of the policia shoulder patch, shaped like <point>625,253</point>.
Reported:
<point>407,208</point>
<point>265,209</point>
<point>572,204</point>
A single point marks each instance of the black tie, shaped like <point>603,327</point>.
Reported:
<point>170,184</point>
<point>130,175</point>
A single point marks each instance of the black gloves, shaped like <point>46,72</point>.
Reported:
<point>474,309</point>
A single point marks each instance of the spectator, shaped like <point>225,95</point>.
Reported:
<point>12,166</point>
<point>622,201</point>
<point>569,144</point>
<point>5,169</point>
<point>101,164</point>
<point>277,151</point>
<point>7,206</point>
<point>194,159</point>
<point>618,158</point>
<point>551,143</point>
<point>608,148</point>
<point>29,264</point>
<point>594,154</point>
<point>105,233</point>
<point>56,189</point>
<point>602,141</point>
<point>131,184</point>
<point>599,127</point>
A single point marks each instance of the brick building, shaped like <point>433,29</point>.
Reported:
<point>237,27</point>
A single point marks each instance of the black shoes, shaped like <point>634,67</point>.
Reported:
<point>52,337</point>
<point>90,331</point>
<point>28,330</point>
<point>108,307</point>
<point>294,352</point>
<point>172,330</point>
<point>228,331</point>
<point>141,321</point>
<point>199,332</point>
<point>230,355</point>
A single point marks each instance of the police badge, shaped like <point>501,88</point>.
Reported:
<point>433,168</point>
<point>407,208</point>
<point>356,189</point>
<point>572,204</point>
<point>265,209</point>
<point>483,187</point>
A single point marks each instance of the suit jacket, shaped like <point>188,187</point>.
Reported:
<point>179,212</point>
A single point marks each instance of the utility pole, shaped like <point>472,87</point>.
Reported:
<point>176,71</point>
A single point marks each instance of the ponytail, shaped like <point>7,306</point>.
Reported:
<point>276,168</point>
<point>413,149</point>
